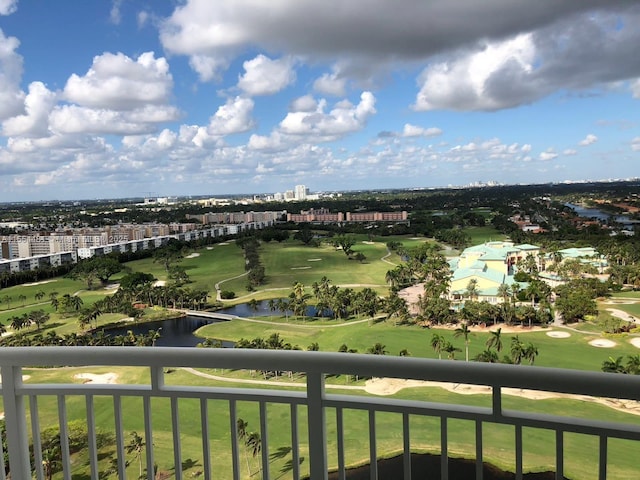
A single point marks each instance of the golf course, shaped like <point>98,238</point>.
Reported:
<point>221,267</point>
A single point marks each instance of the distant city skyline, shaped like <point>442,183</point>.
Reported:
<point>120,98</point>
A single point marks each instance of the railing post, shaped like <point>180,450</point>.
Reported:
<point>15,423</point>
<point>317,426</point>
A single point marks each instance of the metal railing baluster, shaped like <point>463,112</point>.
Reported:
<point>148,437</point>
<point>518,442</point>
<point>35,438</point>
<point>406,446</point>
<point>91,436</point>
<point>444,451</point>
<point>559,455</point>
<point>317,426</point>
<point>373,456</point>
<point>264,440</point>
<point>233,426</point>
<point>295,444</point>
<point>175,427</point>
<point>479,451</point>
<point>602,464</point>
<point>206,444</point>
<point>64,438</point>
<point>342,475</point>
<point>117,416</point>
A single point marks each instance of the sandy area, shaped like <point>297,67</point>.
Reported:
<point>299,268</point>
<point>193,255</point>
<point>223,243</point>
<point>24,377</point>
<point>389,386</point>
<point>112,286</point>
<point>314,259</point>
<point>635,342</point>
<point>602,343</point>
<point>622,315</point>
<point>38,283</point>
<point>209,248</point>
<point>159,283</point>
<point>556,334</point>
<point>96,378</point>
<point>367,243</point>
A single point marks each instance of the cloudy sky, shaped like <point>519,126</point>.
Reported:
<point>114,98</point>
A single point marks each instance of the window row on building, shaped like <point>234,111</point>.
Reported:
<point>61,258</point>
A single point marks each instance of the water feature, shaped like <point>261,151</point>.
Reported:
<point>179,332</point>
<point>601,216</point>
<point>175,332</point>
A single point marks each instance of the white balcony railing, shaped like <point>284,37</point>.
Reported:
<point>315,399</point>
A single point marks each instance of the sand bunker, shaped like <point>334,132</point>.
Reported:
<point>24,377</point>
<point>367,243</point>
<point>602,343</point>
<point>223,243</point>
<point>104,378</point>
<point>193,255</point>
<point>314,259</point>
<point>38,283</point>
<point>635,342</point>
<point>159,283</point>
<point>559,334</point>
<point>209,248</point>
<point>299,268</point>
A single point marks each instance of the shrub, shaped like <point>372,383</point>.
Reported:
<point>227,294</point>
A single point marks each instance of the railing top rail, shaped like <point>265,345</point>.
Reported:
<point>497,375</point>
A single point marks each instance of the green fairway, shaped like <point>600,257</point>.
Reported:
<point>289,262</point>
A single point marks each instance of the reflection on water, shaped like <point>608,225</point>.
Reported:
<point>175,332</point>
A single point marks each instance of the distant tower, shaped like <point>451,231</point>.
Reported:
<point>300,192</point>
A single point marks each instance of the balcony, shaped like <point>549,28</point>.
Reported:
<point>316,418</point>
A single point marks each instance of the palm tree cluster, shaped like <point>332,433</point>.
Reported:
<point>100,338</point>
<point>616,365</point>
<point>19,322</point>
<point>518,352</point>
<point>252,443</point>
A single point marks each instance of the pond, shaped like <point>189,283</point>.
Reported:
<point>175,332</point>
<point>179,332</point>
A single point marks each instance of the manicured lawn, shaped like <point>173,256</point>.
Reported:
<point>483,234</point>
<point>291,262</point>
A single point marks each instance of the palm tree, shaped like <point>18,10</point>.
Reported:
<point>495,340</point>
<point>38,317</point>
<point>39,295</point>
<point>633,364</point>
<point>254,444</point>
<point>613,365</point>
<point>517,350</point>
<point>22,298</point>
<point>273,306</point>
<point>472,290</point>
<point>530,353</point>
<point>488,356</point>
<point>465,332</point>
<point>451,350</point>
<point>241,429</point>
<point>378,349</point>
<point>438,343</point>
<point>136,445</point>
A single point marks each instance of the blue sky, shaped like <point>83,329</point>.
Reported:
<point>105,99</point>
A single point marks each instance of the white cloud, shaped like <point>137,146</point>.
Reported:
<point>548,155</point>
<point>115,16</point>
<point>304,104</point>
<point>588,140</point>
<point>38,104</point>
<point>7,7</point>
<point>331,84</point>
<point>11,97</point>
<point>232,117</point>
<point>264,76</point>
<point>635,144</point>
<point>462,84</point>
<point>570,152</point>
<point>117,82</point>
<point>416,131</point>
